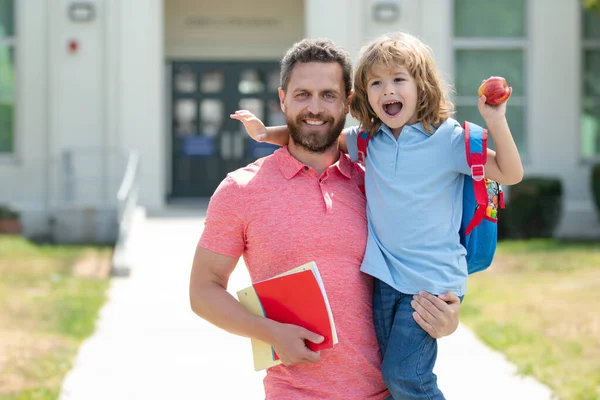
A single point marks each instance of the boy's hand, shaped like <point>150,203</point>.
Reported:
<point>254,126</point>
<point>492,113</point>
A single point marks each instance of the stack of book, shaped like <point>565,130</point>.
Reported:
<point>295,297</point>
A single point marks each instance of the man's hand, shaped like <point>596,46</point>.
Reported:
<point>437,315</point>
<point>288,342</point>
<point>254,126</point>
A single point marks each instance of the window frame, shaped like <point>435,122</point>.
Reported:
<point>587,44</point>
<point>12,43</point>
<point>497,43</point>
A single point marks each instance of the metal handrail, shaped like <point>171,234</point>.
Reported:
<point>129,178</point>
<point>127,195</point>
<point>127,200</point>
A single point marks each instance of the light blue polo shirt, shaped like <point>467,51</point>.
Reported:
<point>414,189</point>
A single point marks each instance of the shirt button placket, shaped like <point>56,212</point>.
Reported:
<point>326,196</point>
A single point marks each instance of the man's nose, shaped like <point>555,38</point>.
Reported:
<point>315,105</point>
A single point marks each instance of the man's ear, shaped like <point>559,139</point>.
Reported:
<point>349,100</point>
<point>281,99</point>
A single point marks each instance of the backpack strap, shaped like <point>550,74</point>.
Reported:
<point>476,151</point>
<point>362,141</point>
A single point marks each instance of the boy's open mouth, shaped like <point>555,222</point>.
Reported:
<point>392,108</point>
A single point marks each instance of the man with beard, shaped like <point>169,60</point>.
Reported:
<point>303,203</point>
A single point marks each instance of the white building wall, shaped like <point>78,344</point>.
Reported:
<point>97,102</point>
<point>77,105</point>
<point>111,95</point>
<point>554,104</point>
<point>23,176</point>
<point>218,30</point>
<point>339,20</point>
<point>140,93</point>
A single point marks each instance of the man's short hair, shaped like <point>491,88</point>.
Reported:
<point>316,50</point>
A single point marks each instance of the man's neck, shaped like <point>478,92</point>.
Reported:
<point>318,161</point>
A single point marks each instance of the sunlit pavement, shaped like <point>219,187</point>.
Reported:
<point>149,345</point>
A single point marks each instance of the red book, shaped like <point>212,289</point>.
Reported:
<point>296,297</point>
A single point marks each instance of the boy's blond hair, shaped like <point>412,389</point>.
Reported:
<point>391,51</point>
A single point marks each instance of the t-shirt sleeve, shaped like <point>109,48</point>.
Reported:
<point>459,151</point>
<point>351,136</point>
<point>224,227</point>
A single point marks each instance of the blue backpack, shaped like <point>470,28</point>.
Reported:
<point>481,199</point>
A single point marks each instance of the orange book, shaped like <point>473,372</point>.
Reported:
<point>295,297</point>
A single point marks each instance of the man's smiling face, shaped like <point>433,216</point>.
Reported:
<point>315,105</point>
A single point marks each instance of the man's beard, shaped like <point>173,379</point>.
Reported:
<point>315,141</point>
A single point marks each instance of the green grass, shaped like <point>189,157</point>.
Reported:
<point>32,394</point>
<point>48,309</point>
<point>538,304</point>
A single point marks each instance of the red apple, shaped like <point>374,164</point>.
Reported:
<point>495,89</point>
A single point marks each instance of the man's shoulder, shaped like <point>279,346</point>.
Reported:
<point>244,176</point>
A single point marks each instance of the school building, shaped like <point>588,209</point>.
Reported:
<point>84,84</point>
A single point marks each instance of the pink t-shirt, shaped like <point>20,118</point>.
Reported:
<point>279,214</point>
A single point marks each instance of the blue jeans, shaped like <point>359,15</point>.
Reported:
<point>408,352</point>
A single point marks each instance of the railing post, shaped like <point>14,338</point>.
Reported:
<point>68,176</point>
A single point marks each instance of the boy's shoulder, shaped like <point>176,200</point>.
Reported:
<point>449,126</point>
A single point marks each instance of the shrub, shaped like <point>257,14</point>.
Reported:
<point>7,213</point>
<point>534,208</point>
<point>595,186</point>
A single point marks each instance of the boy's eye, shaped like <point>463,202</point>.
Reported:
<point>375,83</point>
<point>399,79</point>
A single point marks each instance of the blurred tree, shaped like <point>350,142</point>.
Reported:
<point>592,5</point>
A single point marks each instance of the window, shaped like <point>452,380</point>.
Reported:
<point>496,45</point>
<point>590,112</point>
<point>7,75</point>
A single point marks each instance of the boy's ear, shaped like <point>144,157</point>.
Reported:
<point>281,99</point>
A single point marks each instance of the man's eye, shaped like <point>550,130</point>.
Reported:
<point>302,94</point>
<point>329,96</point>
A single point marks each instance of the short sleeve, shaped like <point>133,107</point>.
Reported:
<point>224,225</point>
<point>351,136</point>
<point>459,151</point>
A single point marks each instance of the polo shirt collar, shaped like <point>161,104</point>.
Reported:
<point>418,126</point>
<point>290,166</point>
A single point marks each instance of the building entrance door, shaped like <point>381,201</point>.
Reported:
<point>206,144</point>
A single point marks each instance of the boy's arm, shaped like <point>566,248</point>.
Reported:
<point>255,128</point>
<point>342,144</point>
<point>279,135</point>
<point>503,165</point>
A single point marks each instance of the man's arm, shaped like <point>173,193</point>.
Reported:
<point>210,300</point>
<point>437,315</point>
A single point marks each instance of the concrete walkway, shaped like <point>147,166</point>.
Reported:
<point>148,344</point>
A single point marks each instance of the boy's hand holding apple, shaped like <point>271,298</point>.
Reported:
<point>493,94</point>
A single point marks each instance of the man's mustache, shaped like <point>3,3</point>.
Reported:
<point>315,116</point>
